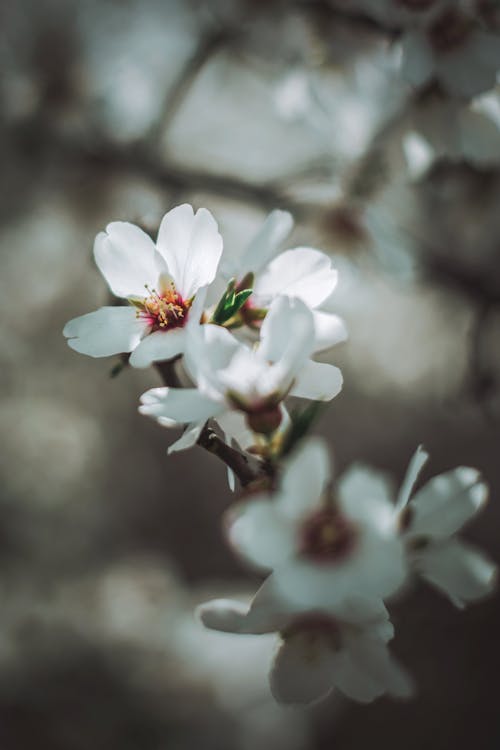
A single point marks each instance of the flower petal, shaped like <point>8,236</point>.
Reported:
<point>107,331</point>
<point>302,670</point>
<point>353,681</point>
<point>287,332</point>
<point>446,503</point>
<point>126,257</point>
<point>302,272</point>
<point>182,405</point>
<point>266,613</point>
<point>192,247</point>
<point>260,534</point>
<point>459,570</point>
<point>373,658</point>
<point>417,463</point>
<point>304,480</point>
<point>318,381</point>
<point>158,346</point>
<point>417,64</point>
<point>329,330</point>
<point>188,439</point>
<point>366,495</point>
<point>264,245</point>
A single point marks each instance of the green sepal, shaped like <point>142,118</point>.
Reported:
<point>230,303</point>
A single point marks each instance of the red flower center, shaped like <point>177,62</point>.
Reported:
<point>163,311</point>
<point>327,536</point>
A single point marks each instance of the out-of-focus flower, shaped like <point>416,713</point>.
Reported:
<point>302,272</point>
<point>163,284</point>
<point>429,521</point>
<point>454,50</point>
<point>232,376</point>
<point>318,652</point>
<point>444,128</point>
<point>322,547</point>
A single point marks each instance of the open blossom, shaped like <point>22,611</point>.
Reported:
<point>321,546</point>
<point>431,518</point>
<point>161,283</point>
<point>429,521</point>
<point>455,50</point>
<point>230,376</point>
<point>318,651</point>
<point>302,272</point>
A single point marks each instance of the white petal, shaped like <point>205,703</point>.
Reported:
<point>265,244</point>
<point>329,330</point>
<point>302,272</point>
<point>417,65</point>
<point>188,439</point>
<point>209,349</point>
<point>304,479</point>
<point>446,503</point>
<point>266,613</point>
<point>318,381</point>
<point>460,571</point>
<point>125,255</point>
<point>353,681</point>
<point>260,534</point>
<point>416,465</point>
<point>302,670</point>
<point>287,331</point>
<point>365,495</point>
<point>192,247</point>
<point>182,405</point>
<point>224,615</point>
<point>372,657</point>
<point>159,346</point>
<point>234,426</point>
<point>107,331</point>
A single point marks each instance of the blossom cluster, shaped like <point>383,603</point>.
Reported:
<point>235,339</point>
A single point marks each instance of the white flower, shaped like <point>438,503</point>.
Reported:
<point>232,376</point>
<point>460,54</point>
<point>317,651</point>
<point>161,283</point>
<point>322,548</point>
<point>430,520</point>
<point>301,272</point>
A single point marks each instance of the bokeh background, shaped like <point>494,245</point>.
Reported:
<point>121,110</point>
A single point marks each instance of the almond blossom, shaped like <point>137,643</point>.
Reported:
<point>317,651</point>
<point>321,546</point>
<point>161,283</point>
<point>429,521</point>
<point>455,50</point>
<point>302,272</point>
<point>231,376</point>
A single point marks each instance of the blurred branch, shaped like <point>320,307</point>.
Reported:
<point>207,47</point>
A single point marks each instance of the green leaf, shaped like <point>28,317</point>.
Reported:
<point>230,303</point>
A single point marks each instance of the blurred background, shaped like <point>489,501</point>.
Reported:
<point>121,110</point>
